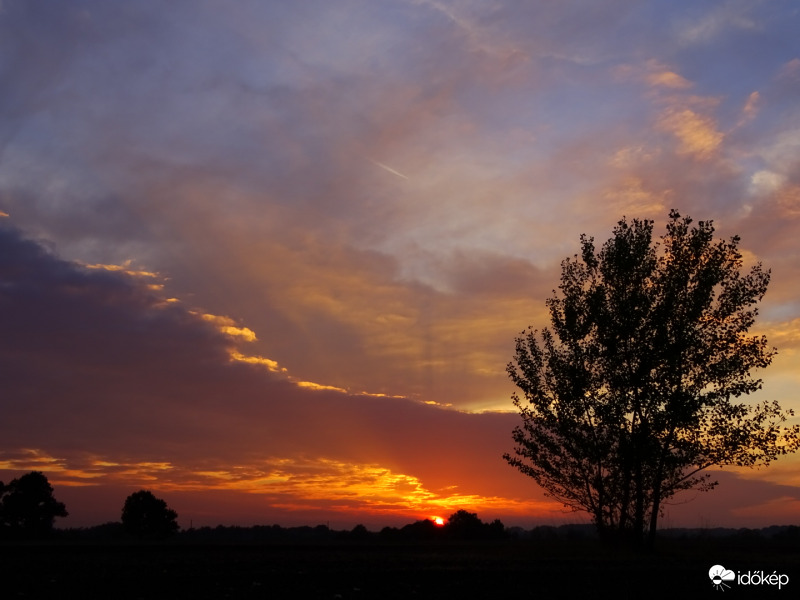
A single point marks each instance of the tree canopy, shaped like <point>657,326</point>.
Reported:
<point>634,391</point>
<point>28,507</point>
<point>465,525</point>
<point>146,516</point>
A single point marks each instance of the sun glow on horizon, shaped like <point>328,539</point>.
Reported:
<point>284,483</point>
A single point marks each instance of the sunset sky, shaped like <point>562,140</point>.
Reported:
<point>268,259</point>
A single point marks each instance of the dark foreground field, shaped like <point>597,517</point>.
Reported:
<point>366,570</point>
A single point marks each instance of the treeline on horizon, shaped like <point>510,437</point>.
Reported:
<point>461,525</point>
<point>28,510</point>
<point>422,531</point>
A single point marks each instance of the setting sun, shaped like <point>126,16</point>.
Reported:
<point>438,520</point>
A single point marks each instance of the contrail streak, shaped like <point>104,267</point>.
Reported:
<point>387,168</point>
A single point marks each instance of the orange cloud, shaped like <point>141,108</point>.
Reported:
<point>127,270</point>
<point>668,79</point>
<point>630,196</point>
<point>697,134</point>
<point>788,200</point>
<point>785,336</point>
<point>270,364</point>
<point>30,459</point>
<point>318,386</point>
<point>228,326</point>
<point>287,483</point>
<point>87,472</point>
<point>750,109</point>
<point>782,510</point>
<point>785,471</point>
<point>791,70</point>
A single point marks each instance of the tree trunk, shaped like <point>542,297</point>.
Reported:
<point>656,508</point>
<point>651,534</point>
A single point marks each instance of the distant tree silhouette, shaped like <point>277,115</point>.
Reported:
<point>146,516</point>
<point>635,390</point>
<point>424,529</point>
<point>359,533</point>
<point>464,525</point>
<point>495,530</point>
<point>27,507</point>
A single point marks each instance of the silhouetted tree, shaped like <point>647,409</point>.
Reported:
<point>632,394</point>
<point>359,533</point>
<point>28,507</point>
<point>424,529</point>
<point>495,530</point>
<point>464,525</point>
<point>146,516</point>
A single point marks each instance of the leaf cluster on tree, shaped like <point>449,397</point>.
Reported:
<point>635,390</point>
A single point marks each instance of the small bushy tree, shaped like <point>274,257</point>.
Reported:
<point>146,516</point>
<point>28,507</point>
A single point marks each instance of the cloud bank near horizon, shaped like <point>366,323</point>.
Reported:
<point>108,382</point>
